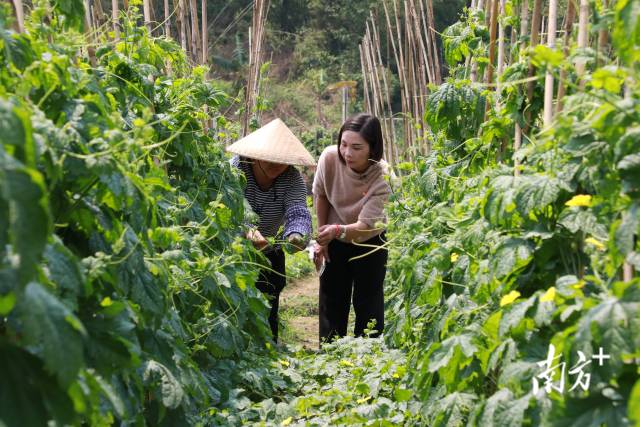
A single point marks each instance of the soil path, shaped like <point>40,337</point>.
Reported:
<point>299,310</point>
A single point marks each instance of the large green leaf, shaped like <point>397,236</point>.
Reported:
<point>512,255</point>
<point>29,395</point>
<point>52,332</point>
<point>158,376</point>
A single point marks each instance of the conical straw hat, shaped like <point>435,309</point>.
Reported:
<point>273,142</point>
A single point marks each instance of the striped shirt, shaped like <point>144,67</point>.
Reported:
<point>284,202</point>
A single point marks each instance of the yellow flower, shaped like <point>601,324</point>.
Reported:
<point>509,298</point>
<point>284,362</point>
<point>578,285</point>
<point>595,242</point>
<point>580,200</point>
<point>363,400</point>
<point>106,302</point>
<point>287,421</point>
<point>346,363</point>
<point>454,257</point>
<point>549,295</point>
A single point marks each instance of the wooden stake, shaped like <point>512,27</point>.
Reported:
<point>548,81</point>
<point>205,36</point>
<point>195,31</point>
<point>115,17</point>
<point>167,19</point>
<point>18,9</point>
<point>568,28</point>
<point>501,48</point>
<point>146,8</point>
<point>583,36</point>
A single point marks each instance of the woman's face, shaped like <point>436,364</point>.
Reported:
<point>355,150</point>
<point>271,170</point>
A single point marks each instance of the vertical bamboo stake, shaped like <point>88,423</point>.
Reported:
<point>406,98</point>
<point>492,48</point>
<point>420,22</point>
<point>524,23</point>
<point>365,85</point>
<point>603,36</point>
<point>19,11</point>
<point>501,48</point>
<point>411,67</point>
<point>432,36</point>
<point>91,52</point>
<point>391,128</point>
<point>182,24</point>
<point>167,19</point>
<point>115,17</point>
<point>195,32</point>
<point>583,36</point>
<point>205,36</point>
<point>536,19</point>
<point>146,8</point>
<point>568,27</point>
<point>548,81</point>
<point>391,37</point>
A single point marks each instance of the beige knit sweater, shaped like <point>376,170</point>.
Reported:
<point>352,196</point>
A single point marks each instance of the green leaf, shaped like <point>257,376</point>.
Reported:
<point>629,168</point>
<point>629,227</point>
<point>535,192</point>
<point>578,219</point>
<point>52,332</point>
<point>7,302</point>
<point>402,395</point>
<point>29,222</point>
<point>64,271</point>
<point>452,409</point>
<point>443,355</point>
<point>29,395</point>
<point>157,375</point>
<point>609,325</point>
<point>634,404</point>
<point>513,254</point>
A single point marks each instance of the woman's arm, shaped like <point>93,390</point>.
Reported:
<point>355,232</point>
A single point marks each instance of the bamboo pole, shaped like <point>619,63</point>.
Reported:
<point>390,126</point>
<point>568,28</point>
<point>583,36</point>
<point>501,48</point>
<point>205,36</point>
<point>548,81</point>
<point>167,19</point>
<point>405,78</point>
<point>524,23</point>
<point>420,28</point>
<point>115,17</point>
<point>603,38</point>
<point>391,37</point>
<point>146,8</point>
<point>411,67</point>
<point>91,52</point>
<point>195,31</point>
<point>18,9</point>
<point>536,19</point>
<point>493,29</point>
<point>365,85</point>
<point>432,36</point>
<point>182,24</point>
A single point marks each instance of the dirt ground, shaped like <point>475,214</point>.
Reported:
<point>299,311</point>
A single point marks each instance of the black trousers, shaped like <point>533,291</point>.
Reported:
<point>361,278</point>
<point>271,283</point>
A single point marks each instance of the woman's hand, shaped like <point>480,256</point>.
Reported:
<point>258,240</point>
<point>320,254</point>
<point>327,233</point>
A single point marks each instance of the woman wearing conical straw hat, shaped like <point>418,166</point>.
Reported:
<point>277,194</point>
